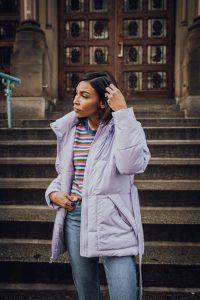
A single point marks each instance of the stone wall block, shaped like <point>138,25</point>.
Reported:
<point>32,80</point>
<point>27,60</point>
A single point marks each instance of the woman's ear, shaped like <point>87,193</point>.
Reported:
<point>102,105</point>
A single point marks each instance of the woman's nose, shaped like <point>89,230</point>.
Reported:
<point>76,100</point>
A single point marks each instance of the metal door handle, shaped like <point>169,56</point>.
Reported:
<point>121,53</point>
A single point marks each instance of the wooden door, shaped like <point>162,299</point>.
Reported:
<point>132,39</point>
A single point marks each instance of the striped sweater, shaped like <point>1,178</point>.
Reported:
<point>83,138</point>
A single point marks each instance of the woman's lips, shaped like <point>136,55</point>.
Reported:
<point>76,109</point>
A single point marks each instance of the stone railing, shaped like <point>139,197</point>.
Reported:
<point>9,81</point>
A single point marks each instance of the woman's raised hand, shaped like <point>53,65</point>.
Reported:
<point>62,199</point>
<point>116,100</point>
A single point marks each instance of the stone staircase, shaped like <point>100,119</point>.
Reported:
<point>169,196</point>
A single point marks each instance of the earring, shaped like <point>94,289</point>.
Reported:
<point>102,105</point>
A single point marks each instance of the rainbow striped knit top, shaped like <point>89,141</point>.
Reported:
<point>83,138</point>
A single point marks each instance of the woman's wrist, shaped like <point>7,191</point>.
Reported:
<point>52,196</point>
<point>121,107</point>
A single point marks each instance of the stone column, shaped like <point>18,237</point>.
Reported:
<point>191,101</point>
<point>48,19</point>
<point>27,63</point>
<point>184,13</point>
<point>198,7</point>
<point>194,58</point>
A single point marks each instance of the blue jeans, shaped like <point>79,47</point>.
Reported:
<point>120,271</point>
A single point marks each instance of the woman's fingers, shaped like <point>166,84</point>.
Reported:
<point>112,91</point>
<point>112,87</point>
<point>115,98</point>
<point>66,201</point>
<point>62,199</point>
<point>106,95</point>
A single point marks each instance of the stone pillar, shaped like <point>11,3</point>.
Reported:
<point>48,19</point>
<point>198,7</point>
<point>184,13</point>
<point>27,63</point>
<point>191,95</point>
<point>29,9</point>
<point>194,58</point>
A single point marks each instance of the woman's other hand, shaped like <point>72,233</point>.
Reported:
<point>116,100</point>
<point>62,199</point>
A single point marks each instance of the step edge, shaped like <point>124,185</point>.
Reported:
<point>67,287</point>
<point>146,208</point>
<point>51,160</point>
<point>160,244</point>
<point>42,183</point>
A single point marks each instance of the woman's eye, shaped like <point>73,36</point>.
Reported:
<point>85,96</point>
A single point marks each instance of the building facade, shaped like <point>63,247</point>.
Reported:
<point>151,47</point>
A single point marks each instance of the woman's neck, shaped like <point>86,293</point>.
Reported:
<point>93,123</point>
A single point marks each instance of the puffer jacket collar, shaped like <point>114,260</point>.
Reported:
<point>64,124</point>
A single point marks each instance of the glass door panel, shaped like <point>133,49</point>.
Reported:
<point>145,33</point>
<point>85,41</point>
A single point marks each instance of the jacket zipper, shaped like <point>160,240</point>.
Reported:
<point>85,242</point>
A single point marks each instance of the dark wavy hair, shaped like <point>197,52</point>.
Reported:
<point>99,81</point>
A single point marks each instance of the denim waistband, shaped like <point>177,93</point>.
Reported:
<point>78,202</point>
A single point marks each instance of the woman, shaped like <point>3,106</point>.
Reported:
<point>100,145</point>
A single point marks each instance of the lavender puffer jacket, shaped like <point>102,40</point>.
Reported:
<point>110,213</point>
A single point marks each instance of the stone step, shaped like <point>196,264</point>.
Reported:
<point>168,193</point>
<point>172,168</point>
<point>148,122</point>
<point>138,114</point>
<point>159,133</point>
<point>152,103</point>
<point>150,215</point>
<point>150,107</point>
<point>174,148</point>
<point>39,250</point>
<point>167,264</point>
<point>137,106</point>
<point>158,168</point>
<point>38,183</point>
<point>36,222</point>
<point>164,198</point>
<point>28,148</point>
<point>39,148</point>
<point>161,122</point>
<point>41,291</point>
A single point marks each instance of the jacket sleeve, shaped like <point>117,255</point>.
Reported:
<point>130,148</point>
<point>54,186</point>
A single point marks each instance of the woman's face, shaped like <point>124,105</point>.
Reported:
<point>86,101</point>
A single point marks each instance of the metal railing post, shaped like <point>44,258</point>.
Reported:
<point>9,81</point>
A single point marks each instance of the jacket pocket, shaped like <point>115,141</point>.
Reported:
<point>116,228</point>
